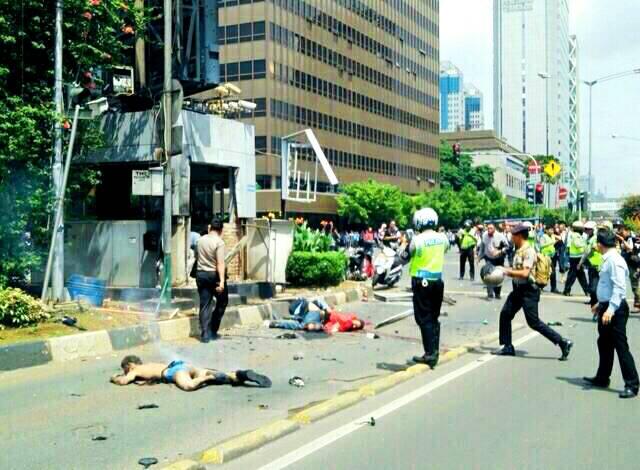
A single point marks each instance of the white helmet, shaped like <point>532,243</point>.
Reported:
<point>492,275</point>
<point>425,218</point>
<point>578,225</point>
<point>591,225</point>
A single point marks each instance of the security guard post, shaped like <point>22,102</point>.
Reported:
<point>548,248</point>
<point>468,242</point>
<point>426,253</point>
<point>577,245</point>
<point>613,312</point>
<point>526,296</point>
<point>593,260</point>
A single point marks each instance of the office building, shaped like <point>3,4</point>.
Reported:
<point>452,104</point>
<point>364,77</point>
<point>532,76</point>
<point>473,108</point>
<point>572,176</point>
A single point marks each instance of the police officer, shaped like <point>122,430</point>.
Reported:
<point>613,312</point>
<point>577,245</point>
<point>548,248</point>
<point>426,253</point>
<point>593,260</point>
<point>467,243</point>
<point>526,296</point>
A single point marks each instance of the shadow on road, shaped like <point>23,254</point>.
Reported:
<point>579,382</point>
<point>583,320</point>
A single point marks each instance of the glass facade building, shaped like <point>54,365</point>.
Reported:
<point>362,75</point>
<point>473,109</point>
<point>452,117</point>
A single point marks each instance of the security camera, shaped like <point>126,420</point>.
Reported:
<point>247,105</point>
<point>234,90</point>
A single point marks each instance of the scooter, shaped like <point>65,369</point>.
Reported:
<point>387,268</point>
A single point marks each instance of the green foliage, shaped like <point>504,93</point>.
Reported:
<point>554,216</point>
<point>457,173</point>
<point>313,241</point>
<point>97,34</point>
<point>372,203</point>
<point>18,309</point>
<point>631,208</point>
<point>306,269</point>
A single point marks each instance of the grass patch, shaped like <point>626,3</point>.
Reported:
<point>91,320</point>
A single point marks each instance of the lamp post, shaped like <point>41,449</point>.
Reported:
<point>591,84</point>
<point>546,77</point>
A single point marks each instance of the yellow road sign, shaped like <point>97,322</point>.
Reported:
<point>552,169</point>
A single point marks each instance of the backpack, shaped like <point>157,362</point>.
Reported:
<point>541,271</point>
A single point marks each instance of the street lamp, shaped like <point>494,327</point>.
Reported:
<point>545,76</point>
<point>591,84</point>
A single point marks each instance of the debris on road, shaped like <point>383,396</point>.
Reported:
<point>296,381</point>
<point>485,322</point>
<point>287,336</point>
<point>146,462</point>
<point>371,422</point>
<point>99,438</point>
<point>373,336</point>
<point>263,406</point>
<point>393,319</point>
<point>298,357</point>
<point>149,406</point>
<point>76,395</point>
<point>554,323</point>
<point>69,321</point>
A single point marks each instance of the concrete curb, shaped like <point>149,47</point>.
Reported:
<point>245,443</point>
<point>99,343</point>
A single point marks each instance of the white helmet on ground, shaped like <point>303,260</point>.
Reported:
<point>425,218</point>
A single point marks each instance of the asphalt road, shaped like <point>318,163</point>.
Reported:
<point>482,412</point>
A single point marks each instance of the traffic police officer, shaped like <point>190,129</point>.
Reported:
<point>577,244</point>
<point>426,254</point>
<point>468,242</point>
<point>593,260</point>
<point>526,296</point>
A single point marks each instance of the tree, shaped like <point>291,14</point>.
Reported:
<point>97,34</point>
<point>631,208</point>
<point>457,172</point>
<point>372,203</point>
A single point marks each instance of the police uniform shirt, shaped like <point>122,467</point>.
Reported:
<point>524,258</point>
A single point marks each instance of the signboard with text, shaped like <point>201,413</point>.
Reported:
<point>147,182</point>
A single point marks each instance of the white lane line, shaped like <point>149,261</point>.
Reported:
<point>356,424</point>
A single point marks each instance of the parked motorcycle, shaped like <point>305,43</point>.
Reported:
<point>387,268</point>
<point>360,264</point>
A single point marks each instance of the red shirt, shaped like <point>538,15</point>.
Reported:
<point>339,322</point>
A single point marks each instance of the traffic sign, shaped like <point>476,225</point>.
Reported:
<point>552,169</point>
<point>562,193</point>
<point>533,168</point>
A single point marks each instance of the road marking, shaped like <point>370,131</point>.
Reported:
<point>336,434</point>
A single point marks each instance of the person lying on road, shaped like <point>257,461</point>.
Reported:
<point>186,377</point>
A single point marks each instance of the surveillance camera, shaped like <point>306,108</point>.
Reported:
<point>247,105</point>
<point>232,88</point>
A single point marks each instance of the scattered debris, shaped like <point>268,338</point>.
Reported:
<point>76,395</point>
<point>394,318</point>
<point>298,357</point>
<point>262,406</point>
<point>219,421</point>
<point>371,422</point>
<point>554,323</point>
<point>330,359</point>
<point>146,462</point>
<point>485,322</point>
<point>69,321</point>
<point>287,336</point>
<point>99,438</point>
<point>373,336</point>
<point>296,381</point>
<point>149,406</point>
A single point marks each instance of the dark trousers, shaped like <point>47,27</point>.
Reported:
<point>553,281</point>
<point>494,290</point>
<point>212,303</point>
<point>525,297</point>
<point>464,256</point>
<point>427,302</point>
<point>576,273</point>
<point>594,277</point>
<point>613,337</point>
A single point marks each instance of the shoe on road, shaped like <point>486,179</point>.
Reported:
<point>629,393</point>
<point>260,380</point>
<point>507,350</point>
<point>431,361</point>
<point>565,347</point>
<point>596,382</point>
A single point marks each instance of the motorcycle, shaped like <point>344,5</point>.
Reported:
<point>387,268</point>
<point>360,266</point>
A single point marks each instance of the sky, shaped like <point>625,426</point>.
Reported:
<point>609,42</point>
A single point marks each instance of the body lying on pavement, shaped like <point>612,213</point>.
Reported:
<point>317,316</point>
<point>186,376</point>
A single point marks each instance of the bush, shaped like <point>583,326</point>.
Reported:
<point>18,309</point>
<point>316,269</point>
<point>306,239</point>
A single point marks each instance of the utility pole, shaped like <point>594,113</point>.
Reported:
<point>589,185</point>
<point>57,282</point>
<point>166,102</point>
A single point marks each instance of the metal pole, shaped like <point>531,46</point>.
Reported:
<point>167,219</point>
<point>56,171</point>
<point>547,186</point>
<point>58,226</point>
<point>589,185</point>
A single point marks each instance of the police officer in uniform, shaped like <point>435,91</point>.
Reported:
<point>548,248</point>
<point>593,260</point>
<point>467,243</point>
<point>577,245</point>
<point>526,296</point>
<point>426,256</point>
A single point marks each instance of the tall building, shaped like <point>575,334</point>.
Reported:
<point>452,109</point>
<point>572,176</point>
<point>532,76</point>
<point>363,76</point>
<point>473,108</point>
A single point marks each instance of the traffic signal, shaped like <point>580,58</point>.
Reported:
<point>539,193</point>
<point>531,197</point>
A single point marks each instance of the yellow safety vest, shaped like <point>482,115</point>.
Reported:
<point>547,246</point>
<point>595,257</point>
<point>427,261</point>
<point>468,240</point>
<point>577,245</point>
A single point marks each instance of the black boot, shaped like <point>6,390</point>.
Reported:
<point>432,356</point>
